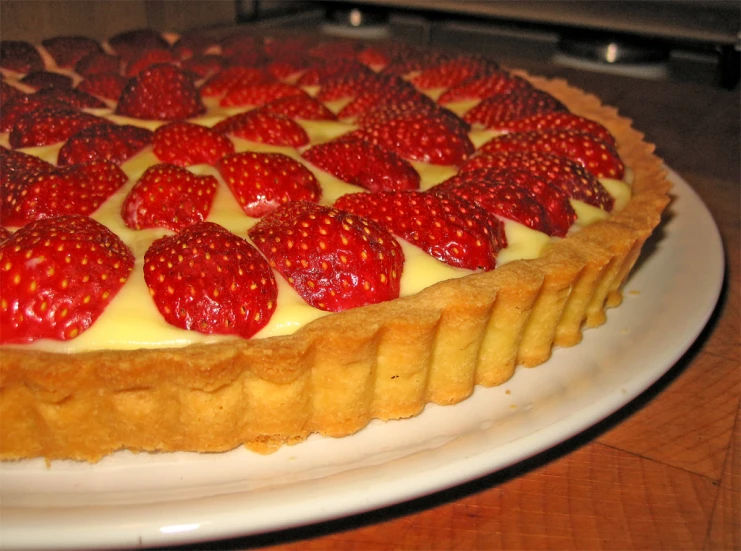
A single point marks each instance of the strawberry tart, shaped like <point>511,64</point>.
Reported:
<point>210,241</point>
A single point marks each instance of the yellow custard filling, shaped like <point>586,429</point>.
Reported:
<point>132,321</point>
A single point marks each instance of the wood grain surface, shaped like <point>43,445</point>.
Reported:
<point>664,472</point>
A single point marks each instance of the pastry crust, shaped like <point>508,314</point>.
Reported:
<point>336,374</point>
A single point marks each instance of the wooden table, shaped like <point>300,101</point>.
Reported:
<point>662,473</point>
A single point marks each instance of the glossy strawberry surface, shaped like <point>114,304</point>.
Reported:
<point>59,274</point>
<point>334,260</point>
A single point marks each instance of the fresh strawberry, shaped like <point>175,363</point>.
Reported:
<point>405,106</point>
<point>221,286</point>
<point>203,65</point>
<point>8,92</point>
<point>223,81</point>
<point>129,44</point>
<point>46,79</point>
<point>420,137</point>
<point>261,182</point>
<point>300,107</point>
<point>506,200</point>
<point>597,156</point>
<point>59,274</point>
<point>146,59</point>
<point>20,56</point>
<point>161,92</point>
<point>15,108</point>
<point>68,50</point>
<point>15,165</point>
<point>259,94</point>
<point>453,230</point>
<point>557,121</point>
<point>97,62</point>
<point>168,196</point>
<point>113,142</point>
<point>334,260</point>
<point>73,97</point>
<point>104,85</point>
<point>390,100</point>
<point>263,127</point>
<point>350,86</point>
<point>517,104</point>
<point>77,189</point>
<point>322,71</point>
<point>453,71</point>
<point>364,164</point>
<point>186,144</point>
<point>569,176</point>
<point>561,214</point>
<point>49,125</point>
<point>480,87</point>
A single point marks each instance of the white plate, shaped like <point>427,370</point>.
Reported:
<point>131,500</point>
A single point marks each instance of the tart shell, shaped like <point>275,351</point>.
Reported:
<point>339,372</point>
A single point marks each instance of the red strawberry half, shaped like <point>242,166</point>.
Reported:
<point>386,102</point>
<point>47,79</point>
<point>420,137</point>
<point>68,50</point>
<point>258,94</point>
<point>113,142</point>
<point>209,280</point>
<point>483,86</point>
<point>569,176</point>
<point>186,144</point>
<point>263,127</point>
<point>260,182</point>
<point>77,189</point>
<point>16,164</point>
<point>168,196</point>
<point>8,92</point>
<point>161,92</point>
<point>557,121</point>
<point>15,108</point>
<point>450,229</point>
<point>519,103</point>
<point>364,164</point>
<point>597,156</point>
<point>74,98</point>
<point>223,81</point>
<point>58,275</point>
<point>104,85</point>
<point>453,71</point>
<point>129,44</point>
<point>147,58</point>
<point>507,200</point>
<point>48,126</point>
<point>98,62</point>
<point>301,107</point>
<point>561,214</point>
<point>20,56</point>
<point>333,259</point>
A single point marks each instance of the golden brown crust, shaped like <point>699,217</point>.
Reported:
<point>339,372</point>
